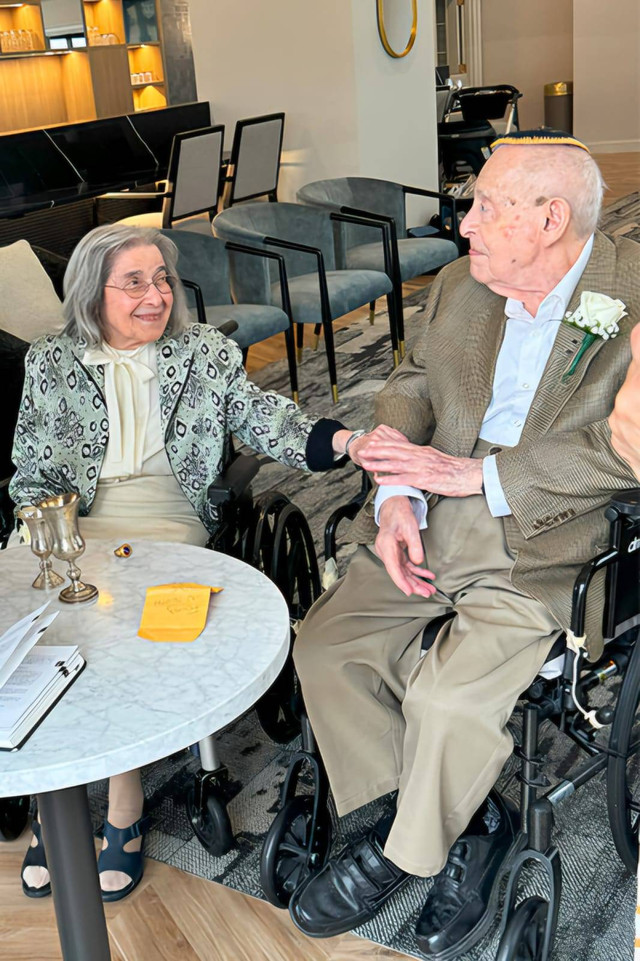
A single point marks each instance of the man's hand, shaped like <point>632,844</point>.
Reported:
<point>395,461</point>
<point>625,419</point>
<point>399,547</point>
<point>382,433</point>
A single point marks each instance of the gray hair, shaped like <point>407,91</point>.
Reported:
<point>89,268</point>
<point>562,171</point>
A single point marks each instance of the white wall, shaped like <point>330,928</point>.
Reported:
<point>607,74</point>
<point>351,109</point>
<point>529,43</point>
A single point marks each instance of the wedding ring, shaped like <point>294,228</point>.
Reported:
<point>123,551</point>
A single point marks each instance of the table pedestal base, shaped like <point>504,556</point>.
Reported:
<point>68,838</point>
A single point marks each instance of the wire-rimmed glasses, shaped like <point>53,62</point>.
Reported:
<point>136,289</point>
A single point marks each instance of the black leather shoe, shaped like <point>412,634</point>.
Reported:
<point>461,904</point>
<point>348,891</point>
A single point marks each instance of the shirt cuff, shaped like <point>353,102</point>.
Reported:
<point>493,491</point>
<point>417,498</point>
<point>320,454</point>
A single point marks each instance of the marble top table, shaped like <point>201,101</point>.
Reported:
<point>138,701</point>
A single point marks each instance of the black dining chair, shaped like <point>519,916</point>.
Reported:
<point>254,167</point>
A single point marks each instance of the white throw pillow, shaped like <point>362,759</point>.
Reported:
<point>29,305</point>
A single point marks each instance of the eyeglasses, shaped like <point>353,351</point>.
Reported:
<point>136,289</point>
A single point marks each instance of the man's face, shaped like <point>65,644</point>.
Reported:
<point>505,226</point>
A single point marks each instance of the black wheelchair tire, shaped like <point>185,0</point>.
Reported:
<point>211,826</point>
<point>14,814</point>
<point>277,710</point>
<point>625,834</point>
<point>523,938</point>
<point>286,861</point>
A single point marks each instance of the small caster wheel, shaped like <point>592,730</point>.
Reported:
<point>14,814</point>
<point>290,855</point>
<point>523,939</point>
<point>210,820</point>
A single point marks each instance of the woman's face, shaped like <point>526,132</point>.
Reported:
<point>130,322</point>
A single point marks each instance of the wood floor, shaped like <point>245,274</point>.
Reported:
<point>173,916</point>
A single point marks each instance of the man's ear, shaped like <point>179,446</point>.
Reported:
<point>558,218</point>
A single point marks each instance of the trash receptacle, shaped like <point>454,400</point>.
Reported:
<point>558,105</point>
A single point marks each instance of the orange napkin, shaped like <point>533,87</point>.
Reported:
<point>175,612</point>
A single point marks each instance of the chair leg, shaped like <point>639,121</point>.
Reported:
<point>291,360</point>
<point>400,321</point>
<point>316,335</point>
<point>245,354</point>
<point>327,326</point>
<point>299,341</point>
<point>372,312</point>
<point>393,326</point>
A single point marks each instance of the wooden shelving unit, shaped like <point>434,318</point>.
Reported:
<point>41,87</point>
<point>21,29</point>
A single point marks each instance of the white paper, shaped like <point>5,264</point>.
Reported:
<point>19,639</point>
<point>30,682</point>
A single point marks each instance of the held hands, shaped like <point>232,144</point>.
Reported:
<point>625,418</point>
<point>355,447</point>
<point>399,547</point>
<point>392,459</point>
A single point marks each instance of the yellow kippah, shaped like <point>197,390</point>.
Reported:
<point>539,138</point>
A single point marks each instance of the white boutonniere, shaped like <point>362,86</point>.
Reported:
<point>596,315</point>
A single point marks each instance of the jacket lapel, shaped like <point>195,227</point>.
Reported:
<point>553,392</point>
<point>174,358</point>
<point>94,373</point>
<point>483,339</point>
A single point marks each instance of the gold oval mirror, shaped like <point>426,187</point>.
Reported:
<point>397,25</point>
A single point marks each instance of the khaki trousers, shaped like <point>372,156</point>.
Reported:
<point>433,726</point>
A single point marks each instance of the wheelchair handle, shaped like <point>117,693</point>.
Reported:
<point>626,502</point>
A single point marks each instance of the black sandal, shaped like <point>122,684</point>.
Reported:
<point>35,858</point>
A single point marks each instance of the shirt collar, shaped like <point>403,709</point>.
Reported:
<point>555,304</point>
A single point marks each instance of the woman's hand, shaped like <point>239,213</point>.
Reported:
<point>625,418</point>
<point>358,447</point>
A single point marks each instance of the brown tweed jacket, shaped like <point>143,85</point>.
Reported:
<point>560,476</point>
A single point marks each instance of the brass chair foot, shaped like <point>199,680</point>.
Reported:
<point>402,349</point>
<point>296,397</point>
<point>334,393</point>
<point>316,341</point>
<point>372,315</point>
<point>299,354</point>
<point>396,359</point>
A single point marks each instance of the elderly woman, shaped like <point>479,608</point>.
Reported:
<point>133,407</point>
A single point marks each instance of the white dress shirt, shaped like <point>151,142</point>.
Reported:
<point>522,359</point>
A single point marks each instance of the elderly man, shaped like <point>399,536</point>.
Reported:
<point>625,418</point>
<point>493,475</point>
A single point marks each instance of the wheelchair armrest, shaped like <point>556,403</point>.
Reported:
<point>347,511</point>
<point>233,481</point>
<point>626,502</point>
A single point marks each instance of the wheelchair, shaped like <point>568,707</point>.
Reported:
<point>271,534</point>
<point>564,693</point>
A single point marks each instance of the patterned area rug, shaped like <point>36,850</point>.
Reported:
<point>597,911</point>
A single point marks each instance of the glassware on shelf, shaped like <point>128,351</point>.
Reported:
<point>40,541</point>
<point>67,543</point>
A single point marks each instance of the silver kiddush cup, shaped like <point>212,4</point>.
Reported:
<point>61,516</point>
<point>40,540</point>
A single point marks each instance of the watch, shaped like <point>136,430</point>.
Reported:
<point>354,436</point>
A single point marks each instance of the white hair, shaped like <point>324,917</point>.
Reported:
<point>562,171</point>
<point>88,271</point>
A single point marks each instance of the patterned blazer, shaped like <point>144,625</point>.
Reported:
<point>560,476</point>
<point>63,428</point>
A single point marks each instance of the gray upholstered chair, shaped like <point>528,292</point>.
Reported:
<point>361,249</point>
<point>319,292</point>
<point>193,183</point>
<point>254,166</point>
<point>203,261</point>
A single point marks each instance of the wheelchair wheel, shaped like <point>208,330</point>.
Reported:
<point>289,854</point>
<point>284,550</point>
<point>210,822</point>
<point>14,814</point>
<point>523,939</point>
<point>623,767</point>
